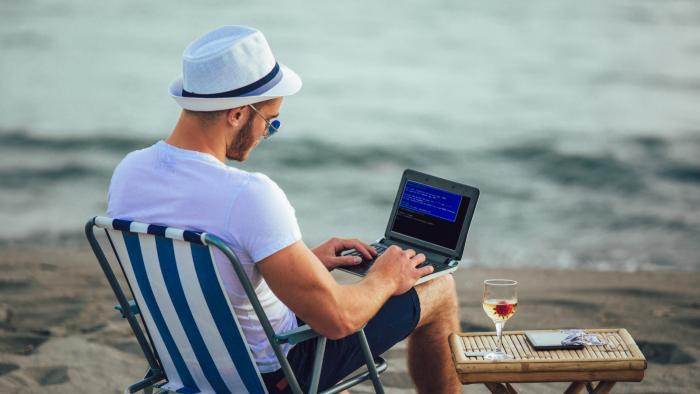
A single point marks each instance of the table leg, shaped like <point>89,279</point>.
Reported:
<point>496,388</point>
<point>499,388</point>
<point>604,387</point>
<point>575,388</point>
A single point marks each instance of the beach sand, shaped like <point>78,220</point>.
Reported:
<point>59,331</point>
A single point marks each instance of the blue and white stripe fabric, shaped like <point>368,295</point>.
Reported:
<point>180,295</point>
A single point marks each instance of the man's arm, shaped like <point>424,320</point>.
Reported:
<point>304,284</point>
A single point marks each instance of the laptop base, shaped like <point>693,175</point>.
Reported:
<point>439,267</point>
<point>425,278</point>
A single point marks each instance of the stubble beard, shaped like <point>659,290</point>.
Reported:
<point>244,142</point>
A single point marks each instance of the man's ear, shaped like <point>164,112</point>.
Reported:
<point>235,116</point>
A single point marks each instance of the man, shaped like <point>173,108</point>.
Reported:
<point>231,91</point>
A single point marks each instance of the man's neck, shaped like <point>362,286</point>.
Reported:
<point>189,134</point>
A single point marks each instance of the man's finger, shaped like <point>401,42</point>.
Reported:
<point>423,271</point>
<point>410,253</point>
<point>373,250</point>
<point>346,260</point>
<point>358,245</point>
<point>418,259</point>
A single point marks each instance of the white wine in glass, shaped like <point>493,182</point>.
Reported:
<point>500,302</point>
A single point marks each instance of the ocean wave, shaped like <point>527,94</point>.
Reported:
<point>300,153</point>
<point>28,177</point>
<point>603,169</point>
<point>617,223</point>
<point>681,172</point>
<point>650,142</point>
<point>26,140</point>
<point>656,82</point>
<point>305,153</point>
<point>600,172</point>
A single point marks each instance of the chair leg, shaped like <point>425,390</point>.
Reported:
<point>318,364</point>
<point>374,375</point>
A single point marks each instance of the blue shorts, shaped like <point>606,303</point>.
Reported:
<point>392,324</point>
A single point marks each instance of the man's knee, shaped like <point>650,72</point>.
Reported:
<point>447,283</point>
<point>447,289</point>
<point>438,299</point>
<point>442,289</point>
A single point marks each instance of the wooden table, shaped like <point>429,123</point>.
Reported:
<point>618,361</point>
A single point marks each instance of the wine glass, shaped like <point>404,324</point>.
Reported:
<point>500,302</point>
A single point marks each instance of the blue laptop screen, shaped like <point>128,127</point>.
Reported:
<point>430,214</point>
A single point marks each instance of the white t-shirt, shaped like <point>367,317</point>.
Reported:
<point>169,186</point>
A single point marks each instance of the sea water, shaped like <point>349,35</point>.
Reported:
<point>577,120</point>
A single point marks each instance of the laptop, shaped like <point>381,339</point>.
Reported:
<point>431,215</point>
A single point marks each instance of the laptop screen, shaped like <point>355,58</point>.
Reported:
<point>430,214</point>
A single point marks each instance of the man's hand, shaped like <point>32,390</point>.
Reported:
<point>400,266</point>
<point>329,252</point>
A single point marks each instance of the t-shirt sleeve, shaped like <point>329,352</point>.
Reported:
<point>262,220</point>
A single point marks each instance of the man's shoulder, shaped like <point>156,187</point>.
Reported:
<point>133,160</point>
<point>161,158</point>
<point>259,181</point>
<point>259,188</point>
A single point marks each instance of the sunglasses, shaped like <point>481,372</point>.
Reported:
<point>273,125</point>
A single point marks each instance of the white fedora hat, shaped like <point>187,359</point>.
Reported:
<point>230,67</point>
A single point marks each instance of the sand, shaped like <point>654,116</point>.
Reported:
<point>59,332</point>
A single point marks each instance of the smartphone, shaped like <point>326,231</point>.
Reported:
<point>548,340</point>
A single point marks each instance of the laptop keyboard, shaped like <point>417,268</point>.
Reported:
<point>380,248</point>
<point>365,265</point>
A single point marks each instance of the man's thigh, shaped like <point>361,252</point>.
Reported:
<point>393,323</point>
<point>437,298</point>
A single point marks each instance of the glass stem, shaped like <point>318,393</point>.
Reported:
<point>499,332</point>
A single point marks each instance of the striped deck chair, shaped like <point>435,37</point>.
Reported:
<point>188,331</point>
